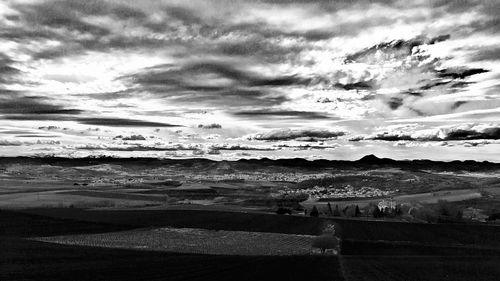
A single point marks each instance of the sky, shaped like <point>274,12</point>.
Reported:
<point>249,79</point>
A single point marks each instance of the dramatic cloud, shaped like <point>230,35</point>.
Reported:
<point>210,126</point>
<point>252,66</point>
<point>132,137</point>
<point>10,143</point>
<point>302,135</point>
<point>443,133</point>
<point>121,122</point>
<point>16,105</point>
<point>282,114</point>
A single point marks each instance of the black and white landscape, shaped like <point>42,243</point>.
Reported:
<point>249,140</point>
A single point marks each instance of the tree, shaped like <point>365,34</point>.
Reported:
<point>447,209</point>
<point>357,212</point>
<point>350,211</point>
<point>325,242</point>
<point>426,214</point>
<point>314,212</point>
<point>377,213</point>
<point>336,212</point>
<point>345,210</point>
<point>330,211</point>
<point>283,211</point>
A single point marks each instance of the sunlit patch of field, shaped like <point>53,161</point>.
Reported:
<point>194,241</point>
<point>422,198</point>
<point>56,198</point>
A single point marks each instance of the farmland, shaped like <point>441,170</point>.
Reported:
<point>112,219</point>
<point>372,250</point>
<point>195,241</point>
<point>249,184</point>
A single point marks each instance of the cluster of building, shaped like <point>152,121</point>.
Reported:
<point>258,176</point>
<point>387,204</point>
<point>346,191</point>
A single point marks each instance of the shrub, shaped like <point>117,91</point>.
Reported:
<point>322,182</point>
<point>330,210</point>
<point>93,204</point>
<point>352,211</point>
<point>336,212</point>
<point>283,211</point>
<point>426,214</point>
<point>447,209</point>
<point>377,213</point>
<point>325,242</point>
<point>314,212</point>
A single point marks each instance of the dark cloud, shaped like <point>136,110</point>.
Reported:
<point>450,133</point>
<point>210,126</point>
<point>59,14</point>
<point>187,77</point>
<point>8,72</point>
<point>65,21</point>
<point>10,143</point>
<point>281,113</point>
<point>131,138</point>
<point>487,54</point>
<point>465,134</point>
<point>16,132</point>
<point>226,98</point>
<point>184,15</point>
<point>395,103</point>
<point>302,135</point>
<point>413,93</point>
<point>400,48</point>
<point>456,75</point>
<point>434,84</point>
<point>362,85</point>
<point>19,106</point>
<point>97,7</point>
<point>460,84</point>
<point>459,73</point>
<point>215,83</point>
<point>245,78</point>
<point>122,122</point>
<point>457,104</point>
<point>37,117</point>
<point>240,147</point>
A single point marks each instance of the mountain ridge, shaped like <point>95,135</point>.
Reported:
<point>367,160</point>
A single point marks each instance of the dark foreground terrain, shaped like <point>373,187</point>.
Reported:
<point>371,250</point>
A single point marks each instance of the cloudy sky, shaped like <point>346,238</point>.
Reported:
<point>239,79</point>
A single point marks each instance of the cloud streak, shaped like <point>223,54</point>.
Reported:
<point>443,133</point>
<point>301,135</point>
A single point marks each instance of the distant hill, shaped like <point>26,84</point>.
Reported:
<point>243,164</point>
